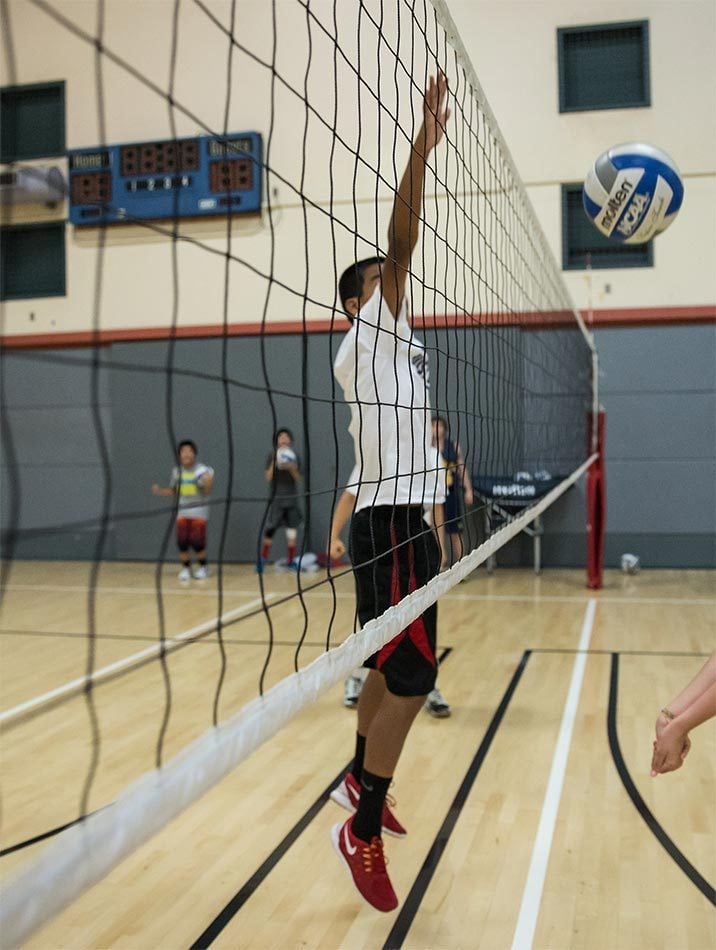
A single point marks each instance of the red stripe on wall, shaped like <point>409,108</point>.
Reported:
<point>618,317</point>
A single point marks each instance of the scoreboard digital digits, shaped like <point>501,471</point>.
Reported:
<point>149,181</point>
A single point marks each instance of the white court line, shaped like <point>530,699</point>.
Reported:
<point>344,595</point>
<point>77,685</point>
<point>532,895</point>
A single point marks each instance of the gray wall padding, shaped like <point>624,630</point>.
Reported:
<point>657,386</point>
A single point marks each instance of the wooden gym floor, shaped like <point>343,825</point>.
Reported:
<point>532,817</point>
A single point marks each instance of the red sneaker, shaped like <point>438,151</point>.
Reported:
<point>366,865</point>
<point>347,794</point>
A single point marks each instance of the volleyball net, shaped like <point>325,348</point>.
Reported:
<point>225,329</point>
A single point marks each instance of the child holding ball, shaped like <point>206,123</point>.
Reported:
<point>283,472</point>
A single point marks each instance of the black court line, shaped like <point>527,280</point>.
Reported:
<point>224,917</point>
<point>652,824</point>
<point>11,848</point>
<point>412,902</point>
<point>573,651</point>
<point>36,840</point>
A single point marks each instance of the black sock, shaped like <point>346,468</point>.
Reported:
<point>202,561</point>
<point>367,821</point>
<point>357,767</point>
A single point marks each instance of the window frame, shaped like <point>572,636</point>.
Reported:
<point>601,262</point>
<point>58,84</point>
<point>59,226</point>
<point>565,31</point>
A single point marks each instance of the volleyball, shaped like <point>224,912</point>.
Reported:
<point>632,193</point>
<point>285,457</point>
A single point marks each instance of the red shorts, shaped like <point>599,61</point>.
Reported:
<point>191,532</point>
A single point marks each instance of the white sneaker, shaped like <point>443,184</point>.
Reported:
<point>351,691</point>
<point>201,573</point>
<point>436,705</point>
<point>184,574</point>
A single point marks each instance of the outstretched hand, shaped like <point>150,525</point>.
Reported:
<point>435,111</point>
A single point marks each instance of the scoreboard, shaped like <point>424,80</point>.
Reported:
<point>149,181</point>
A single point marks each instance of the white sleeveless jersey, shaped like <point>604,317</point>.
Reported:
<point>383,372</point>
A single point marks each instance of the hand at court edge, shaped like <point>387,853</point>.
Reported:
<point>670,749</point>
<point>336,549</point>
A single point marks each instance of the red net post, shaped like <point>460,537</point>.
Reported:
<point>596,503</point>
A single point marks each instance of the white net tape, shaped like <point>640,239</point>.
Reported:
<point>85,853</point>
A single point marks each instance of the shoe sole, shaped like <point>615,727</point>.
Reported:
<point>335,841</point>
<point>440,714</point>
<point>340,798</point>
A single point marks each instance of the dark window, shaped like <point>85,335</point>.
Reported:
<point>32,260</point>
<point>582,242</point>
<point>32,121</point>
<point>604,66</point>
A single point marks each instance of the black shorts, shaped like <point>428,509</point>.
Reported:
<point>395,552</point>
<point>284,513</point>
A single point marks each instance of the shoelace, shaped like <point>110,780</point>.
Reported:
<point>374,860</point>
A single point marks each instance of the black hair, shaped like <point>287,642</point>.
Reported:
<point>278,432</point>
<point>351,282</point>
<point>192,445</point>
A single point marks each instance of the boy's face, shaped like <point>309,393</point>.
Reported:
<point>283,438</point>
<point>438,430</point>
<point>371,279</point>
<point>187,456</point>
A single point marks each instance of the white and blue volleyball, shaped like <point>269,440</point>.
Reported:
<point>632,193</point>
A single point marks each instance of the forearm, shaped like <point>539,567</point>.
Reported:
<point>342,514</point>
<point>699,710</point>
<point>705,678</point>
<point>407,208</point>
<point>439,527</point>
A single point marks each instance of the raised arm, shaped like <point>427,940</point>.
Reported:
<point>407,208</point>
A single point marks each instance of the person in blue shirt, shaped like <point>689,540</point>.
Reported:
<point>458,489</point>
